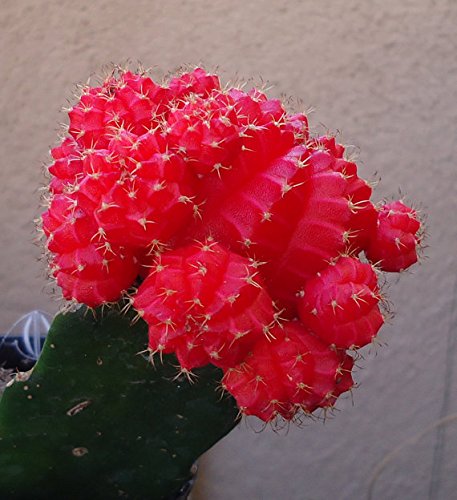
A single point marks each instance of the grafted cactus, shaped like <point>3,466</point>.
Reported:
<point>246,253</point>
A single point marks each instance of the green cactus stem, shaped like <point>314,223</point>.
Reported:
<point>94,419</point>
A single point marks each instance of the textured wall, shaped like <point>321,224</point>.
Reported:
<point>382,72</point>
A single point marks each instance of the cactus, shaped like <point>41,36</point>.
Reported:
<point>205,304</point>
<point>289,373</point>
<point>235,241</point>
<point>94,419</point>
<point>396,237</point>
<point>341,304</point>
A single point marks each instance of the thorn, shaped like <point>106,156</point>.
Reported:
<point>215,354</point>
<point>79,268</point>
<point>185,199</point>
<point>167,292</point>
<point>399,243</point>
<point>191,377</point>
<point>237,336</point>
<point>277,317</point>
<point>206,317</point>
<point>285,188</point>
<point>208,244</point>
<point>250,279</point>
<point>266,329</point>
<point>156,247</point>
<point>334,304</point>
<point>232,298</point>
<point>132,194</point>
<point>359,205</point>
<point>302,163</point>
<point>197,210</point>
<point>100,233</point>
<point>169,323</point>
<point>349,234</point>
<point>143,222</point>
<point>255,263</point>
<point>193,302</point>
<point>357,298</point>
<point>158,186</point>
<point>218,167</point>
<point>137,317</point>
<point>127,306</point>
<point>266,216</point>
<point>159,350</point>
<point>258,379</point>
<point>106,247</point>
<point>301,386</point>
<point>202,269</point>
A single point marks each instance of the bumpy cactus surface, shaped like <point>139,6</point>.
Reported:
<point>230,229</point>
<point>250,249</point>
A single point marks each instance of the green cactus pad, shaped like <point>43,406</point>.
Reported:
<point>96,420</point>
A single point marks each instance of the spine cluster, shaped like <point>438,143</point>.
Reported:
<point>241,239</point>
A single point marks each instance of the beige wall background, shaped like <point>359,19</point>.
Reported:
<point>382,72</point>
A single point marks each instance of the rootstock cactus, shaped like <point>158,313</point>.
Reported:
<point>242,240</point>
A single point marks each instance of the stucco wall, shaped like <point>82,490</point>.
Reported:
<point>382,72</point>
